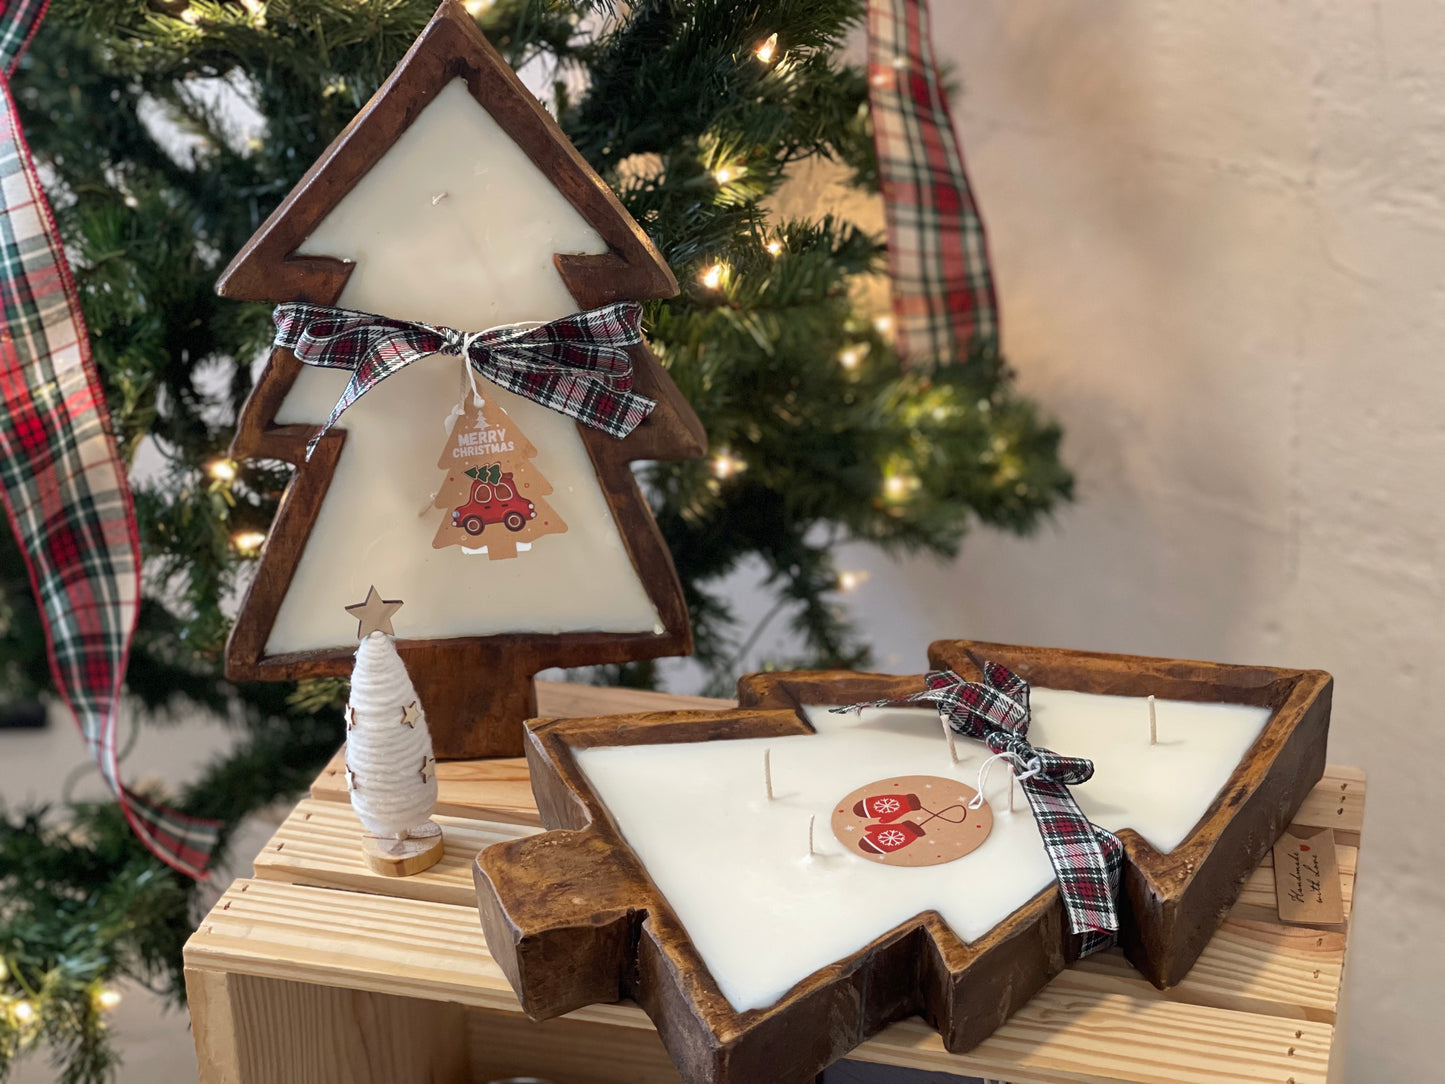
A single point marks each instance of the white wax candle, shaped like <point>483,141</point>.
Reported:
<point>763,915</point>
<point>479,256</point>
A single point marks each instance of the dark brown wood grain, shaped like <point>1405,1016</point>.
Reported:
<point>477,689</point>
<point>572,918</point>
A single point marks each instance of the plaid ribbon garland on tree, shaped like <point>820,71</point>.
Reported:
<point>1088,860</point>
<point>577,366</point>
<point>943,295</point>
<point>61,481</point>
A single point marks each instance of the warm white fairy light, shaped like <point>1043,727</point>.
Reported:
<point>774,247</point>
<point>24,1011</point>
<point>852,580</point>
<point>711,276</point>
<point>222,470</point>
<point>476,7</point>
<point>767,49</point>
<point>725,465</point>
<point>107,998</point>
<point>727,174</point>
<point>883,324</point>
<point>190,17</point>
<point>896,487</point>
<point>248,543</point>
<point>851,358</point>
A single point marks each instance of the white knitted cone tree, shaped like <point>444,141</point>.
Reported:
<point>390,770</point>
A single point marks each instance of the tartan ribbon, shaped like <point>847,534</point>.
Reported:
<point>61,479</point>
<point>1087,859</point>
<point>943,294</point>
<point>577,366</point>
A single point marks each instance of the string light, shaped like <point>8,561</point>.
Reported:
<point>711,276</point>
<point>222,470</point>
<point>883,324</point>
<point>725,465</point>
<point>766,49</point>
<point>476,7</point>
<point>107,998</point>
<point>851,358</point>
<point>24,1011</point>
<point>248,543</point>
<point>897,487</point>
<point>190,17</point>
<point>852,580</point>
<point>727,174</point>
<point>774,247</point>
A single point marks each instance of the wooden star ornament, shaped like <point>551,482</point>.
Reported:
<point>410,714</point>
<point>374,614</point>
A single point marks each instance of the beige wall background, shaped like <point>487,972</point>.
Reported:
<point>1219,236</point>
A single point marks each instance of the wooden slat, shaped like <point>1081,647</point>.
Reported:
<point>1073,1032</point>
<point>318,844</point>
<point>1338,802</point>
<point>499,789</point>
<point>1252,964</point>
<point>1248,966</point>
<point>1069,1034</point>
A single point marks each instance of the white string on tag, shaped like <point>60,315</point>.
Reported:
<point>1031,768</point>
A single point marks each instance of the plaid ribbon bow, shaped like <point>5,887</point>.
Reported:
<point>1087,859</point>
<point>943,295</point>
<point>61,480</point>
<point>577,366</point>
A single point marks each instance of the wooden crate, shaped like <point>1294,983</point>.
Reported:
<point>317,971</point>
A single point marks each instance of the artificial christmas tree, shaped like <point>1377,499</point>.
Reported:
<point>695,113</point>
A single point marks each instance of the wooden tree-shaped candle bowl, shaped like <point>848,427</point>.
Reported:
<point>573,917</point>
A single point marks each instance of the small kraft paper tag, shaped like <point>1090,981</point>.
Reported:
<point>1307,879</point>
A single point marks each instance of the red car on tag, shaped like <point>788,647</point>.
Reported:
<point>494,503</point>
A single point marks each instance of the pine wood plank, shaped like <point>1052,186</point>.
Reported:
<point>320,844</point>
<point>500,788</point>
<point>1254,963</point>
<point>1337,802</point>
<point>1086,1027</point>
<point>1071,1035</point>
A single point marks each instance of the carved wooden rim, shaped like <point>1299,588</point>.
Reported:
<point>572,917</point>
<point>268,269</point>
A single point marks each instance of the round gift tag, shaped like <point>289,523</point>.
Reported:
<point>912,820</point>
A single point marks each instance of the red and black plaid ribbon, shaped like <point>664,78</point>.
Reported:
<point>577,366</point>
<point>61,480</point>
<point>943,295</point>
<point>1087,859</point>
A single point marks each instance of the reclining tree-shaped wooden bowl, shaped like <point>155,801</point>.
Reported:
<point>573,918</point>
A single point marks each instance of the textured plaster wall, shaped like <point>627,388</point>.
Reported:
<point>1219,234</point>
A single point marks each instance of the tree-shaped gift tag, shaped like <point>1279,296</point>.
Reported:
<point>490,482</point>
<point>390,770</point>
<point>453,217</point>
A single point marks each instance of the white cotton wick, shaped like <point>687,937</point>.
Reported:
<point>390,767</point>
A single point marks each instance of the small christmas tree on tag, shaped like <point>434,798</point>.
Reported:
<point>390,769</point>
<point>492,493</point>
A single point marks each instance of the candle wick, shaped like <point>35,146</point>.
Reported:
<point>768,772</point>
<point>1153,724</point>
<point>948,734</point>
<point>811,818</point>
